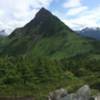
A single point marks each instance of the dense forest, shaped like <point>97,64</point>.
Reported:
<point>26,76</point>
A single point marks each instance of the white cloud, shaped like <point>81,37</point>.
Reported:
<point>75,11</point>
<point>89,18</point>
<point>74,7</point>
<point>72,3</point>
<point>16,13</point>
<point>80,16</point>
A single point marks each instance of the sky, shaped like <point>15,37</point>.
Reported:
<point>76,14</point>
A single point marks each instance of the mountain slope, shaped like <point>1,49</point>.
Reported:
<point>42,24</point>
<point>46,35</point>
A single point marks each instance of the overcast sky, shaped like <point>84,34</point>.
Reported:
<point>76,14</point>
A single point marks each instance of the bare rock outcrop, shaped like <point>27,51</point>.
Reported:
<point>84,93</point>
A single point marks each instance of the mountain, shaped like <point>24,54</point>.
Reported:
<point>45,55</point>
<point>3,38</point>
<point>3,33</point>
<point>91,33</point>
<point>43,19</point>
<point>46,35</point>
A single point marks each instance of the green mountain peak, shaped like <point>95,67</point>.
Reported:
<point>44,23</point>
<point>48,34</point>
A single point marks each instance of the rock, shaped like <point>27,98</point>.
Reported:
<point>84,90</point>
<point>97,97</point>
<point>71,96</point>
<point>84,93</point>
<point>57,94</point>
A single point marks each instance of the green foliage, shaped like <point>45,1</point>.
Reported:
<point>29,75</point>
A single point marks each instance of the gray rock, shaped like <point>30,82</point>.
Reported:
<point>71,96</point>
<point>97,97</point>
<point>84,93</point>
<point>57,94</point>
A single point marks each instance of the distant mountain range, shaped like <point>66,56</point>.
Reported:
<point>3,33</point>
<point>91,33</point>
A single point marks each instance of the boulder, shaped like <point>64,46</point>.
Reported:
<point>97,97</point>
<point>57,94</point>
<point>71,96</point>
<point>84,93</point>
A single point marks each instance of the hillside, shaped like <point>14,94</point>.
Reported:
<point>45,55</point>
<point>46,35</point>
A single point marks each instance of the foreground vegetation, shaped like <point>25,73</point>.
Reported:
<point>26,76</point>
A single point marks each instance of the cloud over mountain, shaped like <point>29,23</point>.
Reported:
<point>80,15</point>
<point>16,13</point>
